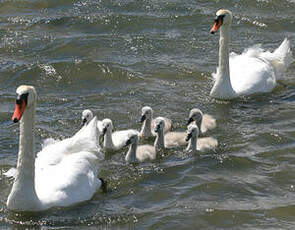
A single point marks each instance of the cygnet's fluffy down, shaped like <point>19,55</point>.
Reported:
<point>170,139</point>
<point>177,139</point>
<point>143,153</point>
<point>148,123</point>
<point>196,144</point>
<point>114,140</point>
<point>205,122</point>
<point>139,153</point>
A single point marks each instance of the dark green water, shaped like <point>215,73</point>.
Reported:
<point>116,56</point>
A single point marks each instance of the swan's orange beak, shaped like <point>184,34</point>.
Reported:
<point>216,26</point>
<point>19,110</point>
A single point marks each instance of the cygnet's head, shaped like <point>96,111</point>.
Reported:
<point>26,97</point>
<point>192,131</point>
<point>87,116</point>
<point>132,138</point>
<point>159,124</point>
<point>107,124</point>
<point>146,113</point>
<point>223,18</point>
<point>195,115</point>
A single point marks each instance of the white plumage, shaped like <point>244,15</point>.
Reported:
<point>254,71</point>
<point>64,173</point>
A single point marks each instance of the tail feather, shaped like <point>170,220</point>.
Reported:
<point>282,58</point>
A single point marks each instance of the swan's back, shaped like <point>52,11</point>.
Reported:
<point>250,74</point>
<point>66,172</point>
<point>84,140</point>
<point>256,70</point>
<point>72,180</point>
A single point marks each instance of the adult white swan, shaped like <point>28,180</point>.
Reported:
<point>62,175</point>
<point>254,71</point>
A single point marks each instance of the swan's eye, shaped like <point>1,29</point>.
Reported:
<point>219,18</point>
<point>22,97</point>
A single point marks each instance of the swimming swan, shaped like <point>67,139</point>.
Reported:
<point>170,139</point>
<point>178,139</point>
<point>113,140</point>
<point>254,71</point>
<point>146,152</point>
<point>60,176</point>
<point>148,126</point>
<point>205,122</point>
<point>139,153</point>
<point>87,116</point>
<point>196,144</point>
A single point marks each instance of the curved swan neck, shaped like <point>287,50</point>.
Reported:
<point>199,122</point>
<point>26,158</point>
<point>23,194</point>
<point>131,154</point>
<point>159,142</point>
<point>222,88</point>
<point>146,130</point>
<point>223,60</point>
<point>192,145</point>
<point>108,140</point>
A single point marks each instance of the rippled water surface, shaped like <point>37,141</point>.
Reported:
<point>115,56</point>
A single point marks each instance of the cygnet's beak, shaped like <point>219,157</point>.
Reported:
<point>128,142</point>
<point>101,138</point>
<point>188,137</point>
<point>104,131</point>
<point>157,128</point>
<point>84,120</point>
<point>190,120</point>
<point>143,117</point>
